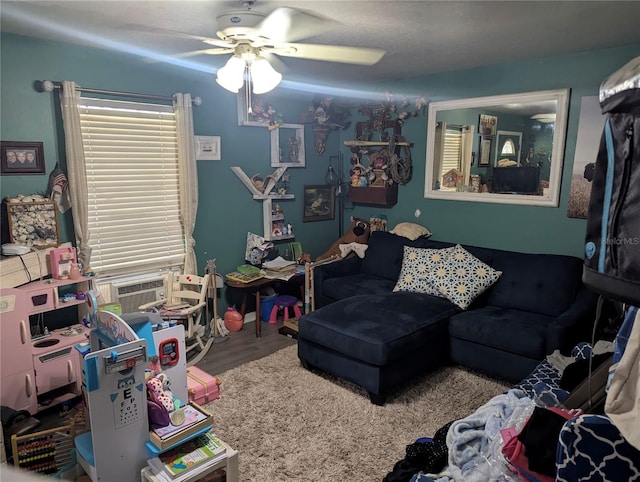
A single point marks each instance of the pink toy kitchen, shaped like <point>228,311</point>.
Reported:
<point>40,368</point>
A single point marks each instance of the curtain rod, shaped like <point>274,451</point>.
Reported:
<point>50,85</point>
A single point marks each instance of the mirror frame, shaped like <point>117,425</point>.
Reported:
<point>561,96</point>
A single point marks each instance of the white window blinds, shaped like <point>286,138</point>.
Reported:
<point>452,152</point>
<point>131,159</point>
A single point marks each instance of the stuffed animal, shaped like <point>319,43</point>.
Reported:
<point>358,234</point>
<point>159,385</point>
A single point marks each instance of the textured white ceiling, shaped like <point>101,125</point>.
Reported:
<point>420,37</point>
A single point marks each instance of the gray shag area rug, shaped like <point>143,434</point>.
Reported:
<point>289,424</point>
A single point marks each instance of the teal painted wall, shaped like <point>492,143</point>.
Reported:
<point>227,211</point>
<point>521,228</point>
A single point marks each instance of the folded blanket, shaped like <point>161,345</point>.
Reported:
<point>474,442</point>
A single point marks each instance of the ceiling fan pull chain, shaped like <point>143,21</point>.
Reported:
<point>247,91</point>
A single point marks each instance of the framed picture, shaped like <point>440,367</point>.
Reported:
<point>21,158</point>
<point>33,223</point>
<point>488,125</point>
<point>485,151</point>
<point>262,113</point>
<point>319,203</point>
<point>287,146</point>
<point>207,148</point>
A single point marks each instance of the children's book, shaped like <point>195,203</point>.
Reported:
<point>245,278</point>
<point>191,454</point>
<point>195,419</point>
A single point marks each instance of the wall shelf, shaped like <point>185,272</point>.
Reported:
<point>267,198</point>
<point>271,183</point>
<point>372,143</point>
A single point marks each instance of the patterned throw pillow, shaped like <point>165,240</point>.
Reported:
<point>463,277</point>
<point>418,266</point>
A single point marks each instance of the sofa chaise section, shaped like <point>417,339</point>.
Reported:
<point>377,343</point>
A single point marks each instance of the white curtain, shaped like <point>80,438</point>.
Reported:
<point>76,169</point>
<point>438,153</point>
<point>466,153</point>
<point>188,176</point>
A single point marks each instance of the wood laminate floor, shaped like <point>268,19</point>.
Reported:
<point>243,346</point>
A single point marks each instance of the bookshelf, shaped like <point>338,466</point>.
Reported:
<point>229,463</point>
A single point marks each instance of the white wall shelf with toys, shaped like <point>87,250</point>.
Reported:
<point>274,225</point>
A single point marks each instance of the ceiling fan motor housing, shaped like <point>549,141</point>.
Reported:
<point>238,24</point>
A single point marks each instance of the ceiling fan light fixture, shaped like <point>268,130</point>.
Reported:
<point>544,118</point>
<point>263,76</point>
<point>231,76</point>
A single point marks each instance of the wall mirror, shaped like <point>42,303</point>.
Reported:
<point>459,132</point>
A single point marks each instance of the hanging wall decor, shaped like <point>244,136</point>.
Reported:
<point>287,146</point>
<point>33,221</point>
<point>485,151</point>
<point>319,203</point>
<point>324,116</point>
<point>488,125</point>
<point>18,158</point>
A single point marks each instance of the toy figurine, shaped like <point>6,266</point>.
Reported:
<point>355,177</point>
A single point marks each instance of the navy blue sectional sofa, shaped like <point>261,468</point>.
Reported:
<point>364,332</point>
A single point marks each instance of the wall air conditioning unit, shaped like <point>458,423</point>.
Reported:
<point>133,292</point>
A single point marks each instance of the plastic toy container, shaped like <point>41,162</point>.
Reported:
<point>233,320</point>
<point>266,305</point>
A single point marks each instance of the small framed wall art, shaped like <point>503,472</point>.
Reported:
<point>319,203</point>
<point>33,223</point>
<point>488,125</point>
<point>18,158</point>
<point>207,148</point>
<point>485,151</point>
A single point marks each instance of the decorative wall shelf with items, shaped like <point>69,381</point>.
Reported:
<point>377,183</point>
<point>274,226</point>
<point>380,156</point>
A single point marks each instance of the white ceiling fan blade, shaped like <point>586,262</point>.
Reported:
<point>289,25</point>
<point>275,62</point>
<point>203,52</point>
<point>218,43</point>
<point>167,32</point>
<point>331,53</point>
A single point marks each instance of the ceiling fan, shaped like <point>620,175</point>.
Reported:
<point>253,36</point>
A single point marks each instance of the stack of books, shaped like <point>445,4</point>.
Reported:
<point>281,269</point>
<point>278,264</point>
<point>180,463</point>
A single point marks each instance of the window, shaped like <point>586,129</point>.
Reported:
<point>131,161</point>
<point>509,148</point>
<point>452,151</point>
